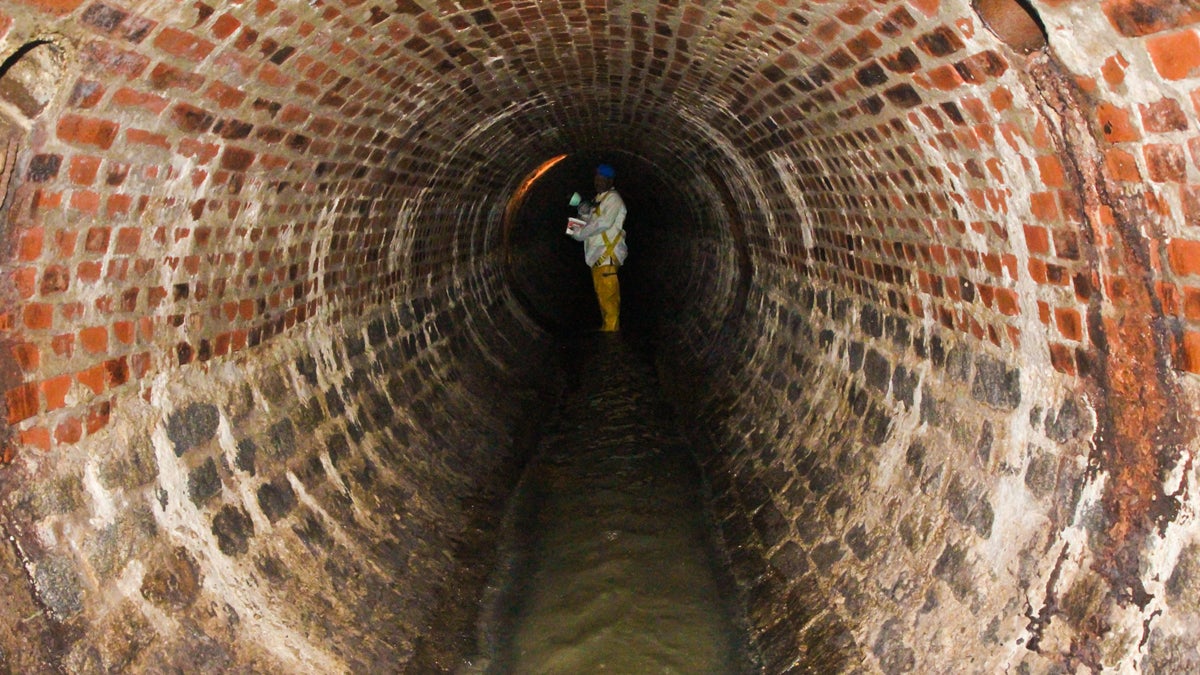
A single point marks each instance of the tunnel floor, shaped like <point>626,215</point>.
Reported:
<point>609,564</point>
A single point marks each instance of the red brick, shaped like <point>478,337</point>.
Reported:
<point>63,345</point>
<point>224,26</point>
<point>224,95</point>
<point>36,437</point>
<point>1069,323</point>
<point>85,201</point>
<point>1184,256</point>
<point>83,169</point>
<point>168,77</point>
<point>1051,170</point>
<point>1163,116</point>
<point>92,378</point>
<point>22,402</point>
<point>129,98</point>
<point>128,239</point>
<point>56,7</point>
<point>88,272</point>
<point>68,431</point>
<point>1062,358</point>
<point>182,44</point>
<point>38,316</point>
<point>87,131</point>
<point>143,137</point>
<point>30,246</point>
<point>98,416</point>
<point>27,356</point>
<point>123,332</point>
<point>1114,69</point>
<point>1137,18</point>
<point>25,281</point>
<point>1191,352</point>
<point>94,339</point>
<point>1191,303</point>
<point>1166,163</point>
<point>1176,55</point>
<point>118,205</point>
<point>1115,123</point>
<point>1043,206</point>
<point>1122,166</point>
<point>55,391</point>
<point>1006,302</point>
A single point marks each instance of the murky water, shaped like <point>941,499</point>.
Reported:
<point>610,567</point>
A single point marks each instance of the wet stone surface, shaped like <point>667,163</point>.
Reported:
<point>613,567</point>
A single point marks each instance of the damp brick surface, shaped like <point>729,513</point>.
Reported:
<point>927,299</point>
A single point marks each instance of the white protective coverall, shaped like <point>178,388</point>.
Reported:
<point>604,250</point>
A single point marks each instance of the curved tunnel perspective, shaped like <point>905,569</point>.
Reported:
<point>283,321</point>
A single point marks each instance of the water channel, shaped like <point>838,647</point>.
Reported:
<point>610,564</point>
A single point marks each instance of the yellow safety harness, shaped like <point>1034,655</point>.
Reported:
<point>609,249</point>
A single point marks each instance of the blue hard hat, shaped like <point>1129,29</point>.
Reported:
<point>605,170</point>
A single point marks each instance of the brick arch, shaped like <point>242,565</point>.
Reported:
<point>918,281</point>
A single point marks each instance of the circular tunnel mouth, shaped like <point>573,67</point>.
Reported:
<point>545,268</point>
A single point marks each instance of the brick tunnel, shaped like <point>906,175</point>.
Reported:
<point>284,302</point>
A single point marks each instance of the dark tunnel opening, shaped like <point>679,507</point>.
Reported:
<point>545,268</point>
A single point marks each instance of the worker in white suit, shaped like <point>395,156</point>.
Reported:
<point>604,248</point>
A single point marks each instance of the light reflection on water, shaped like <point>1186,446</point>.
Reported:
<point>610,568</point>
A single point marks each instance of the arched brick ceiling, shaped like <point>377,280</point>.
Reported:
<point>918,282</point>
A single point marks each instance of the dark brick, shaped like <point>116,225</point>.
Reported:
<point>1069,423</point>
<point>958,363</point>
<point>951,568</point>
<point>995,384</point>
<point>192,426</point>
<point>175,584</point>
<point>772,526</point>
<point>282,439</point>
<point>983,446</point>
<point>940,42</point>
<point>339,449</point>
<point>42,168</point>
<point>103,18</point>
<point>855,352</point>
<point>190,119</point>
<point>894,655</point>
<point>904,385</point>
<point>246,453</point>
<point>826,555</point>
<point>903,95</point>
<point>58,586</point>
<point>903,61</point>
<point>876,425</point>
<point>233,529</point>
<point>858,542</point>
<point>313,534</point>
<point>276,499</point>
<point>204,482</point>
<point>1042,474</point>
<point>871,321</point>
<point>877,370</point>
<point>790,560</point>
<point>870,76</point>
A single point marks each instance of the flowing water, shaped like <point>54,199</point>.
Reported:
<point>610,566</point>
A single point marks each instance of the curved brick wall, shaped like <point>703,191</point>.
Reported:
<point>272,348</point>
